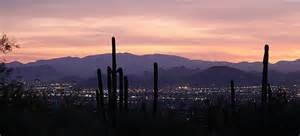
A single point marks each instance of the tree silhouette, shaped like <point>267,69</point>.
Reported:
<point>6,44</point>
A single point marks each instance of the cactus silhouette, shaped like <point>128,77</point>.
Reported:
<point>109,87</point>
<point>269,93</point>
<point>114,74</point>
<point>265,75</point>
<point>125,93</point>
<point>232,93</point>
<point>155,88</point>
<point>99,92</point>
<point>121,88</point>
<point>98,97</point>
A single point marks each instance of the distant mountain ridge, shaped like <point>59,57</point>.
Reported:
<point>165,61</point>
<point>137,65</point>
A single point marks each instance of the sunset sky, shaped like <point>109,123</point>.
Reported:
<point>217,30</point>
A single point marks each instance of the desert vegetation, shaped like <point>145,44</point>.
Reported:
<point>25,113</point>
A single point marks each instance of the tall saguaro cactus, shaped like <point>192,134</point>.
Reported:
<point>125,93</point>
<point>121,88</point>
<point>109,71</point>
<point>155,88</point>
<point>100,95</point>
<point>232,93</point>
<point>265,75</point>
<point>114,74</point>
<point>99,92</point>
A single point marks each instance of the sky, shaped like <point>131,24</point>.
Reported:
<point>214,30</point>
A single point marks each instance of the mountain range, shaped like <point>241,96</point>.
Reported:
<point>172,69</point>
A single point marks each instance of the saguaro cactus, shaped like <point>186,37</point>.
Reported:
<point>121,88</point>
<point>232,93</point>
<point>265,75</point>
<point>125,93</point>
<point>109,86</point>
<point>114,74</point>
<point>99,92</point>
<point>100,95</point>
<point>155,88</point>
